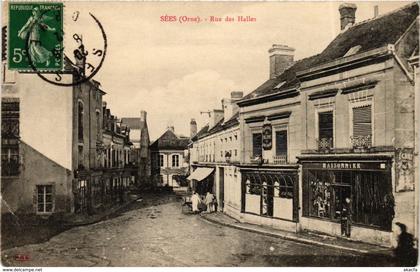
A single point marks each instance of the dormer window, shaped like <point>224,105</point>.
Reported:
<point>353,51</point>
<point>278,86</point>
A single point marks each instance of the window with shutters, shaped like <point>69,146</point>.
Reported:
<point>161,160</point>
<point>45,199</point>
<point>362,127</point>
<point>10,137</point>
<point>325,130</point>
<point>256,144</point>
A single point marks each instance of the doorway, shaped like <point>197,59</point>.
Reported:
<point>221,188</point>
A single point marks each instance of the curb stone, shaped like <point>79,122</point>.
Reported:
<point>284,236</point>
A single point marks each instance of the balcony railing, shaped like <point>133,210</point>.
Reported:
<point>280,159</point>
<point>361,142</point>
<point>325,144</point>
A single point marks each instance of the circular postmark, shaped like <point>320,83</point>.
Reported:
<point>83,69</point>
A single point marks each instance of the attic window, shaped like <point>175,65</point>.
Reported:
<point>353,50</point>
<point>279,85</point>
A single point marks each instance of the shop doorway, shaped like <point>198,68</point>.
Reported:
<point>221,188</point>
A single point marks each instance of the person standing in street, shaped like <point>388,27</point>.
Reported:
<point>346,218</point>
<point>195,201</point>
<point>209,202</point>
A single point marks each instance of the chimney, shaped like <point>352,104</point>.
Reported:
<point>281,58</point>
<point>347,15</point>
<point>229,104</point>
<point>193,127</point>
<point>375,11</point>
<point>215,117</point>
<point>171,128</point>
<point>143,115</point>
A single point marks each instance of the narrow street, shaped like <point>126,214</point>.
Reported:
<point>160,235</point>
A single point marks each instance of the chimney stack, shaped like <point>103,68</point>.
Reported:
<point>193,127</point>
<point>215,117</point>
<point>229,105</point>
<point>375,11</point>
<point>143,115</point>
<point>171,128</point>
<point>281,58</point>
<point>347,15</point>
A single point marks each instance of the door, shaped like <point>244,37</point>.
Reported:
<point>221,188</point>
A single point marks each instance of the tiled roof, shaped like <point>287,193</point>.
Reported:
<point>169,140</point>
<point>367,35</point>
<point>221,125</point>
<point>289,77</point>
<point>370,34</point>
<point>200,133</point>
<point>133,122</point>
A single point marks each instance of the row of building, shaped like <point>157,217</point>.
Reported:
<point>336,125</point>
<point>63,152</point>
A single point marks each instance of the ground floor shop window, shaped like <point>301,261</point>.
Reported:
<point>270,194</point>
<point>369,191</point>
<point>44,198</point>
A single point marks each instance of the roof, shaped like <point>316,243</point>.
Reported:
<point>289,77</point>
<point>370,34</point>
<point>367,35</point>
<point>133,122</point>
<point>220,126</point>
<point>200,133</point>
<point>169,140</point>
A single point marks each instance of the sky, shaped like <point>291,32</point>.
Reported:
<point>173,71</point>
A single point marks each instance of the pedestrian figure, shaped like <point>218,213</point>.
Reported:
<point>405,252</point>
<point>209,202</point>
<point>346,218</point>
<point>195,201</point>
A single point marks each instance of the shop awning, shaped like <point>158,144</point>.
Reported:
<point>200,173</point>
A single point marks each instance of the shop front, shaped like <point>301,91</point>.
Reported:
<point>360,190</point>
<point>270,197</point>
<point>202,180</point>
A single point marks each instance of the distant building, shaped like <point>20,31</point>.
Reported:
<point>139,135</point>
<point>215,152</point>
<point>169,159</point>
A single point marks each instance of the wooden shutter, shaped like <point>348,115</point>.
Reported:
<point>281,142</point>
<point>256,144</point>
<point>362,121</point>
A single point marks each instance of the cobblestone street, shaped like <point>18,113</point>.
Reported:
<point>160,235</point>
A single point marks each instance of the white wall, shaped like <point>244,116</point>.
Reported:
<point>45,116</point>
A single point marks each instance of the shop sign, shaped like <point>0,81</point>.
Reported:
<point>405,169</point>
<point>346,165</point>
<point>267,136</point>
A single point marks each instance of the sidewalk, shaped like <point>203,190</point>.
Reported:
<point>75,220</point>
<point>303,237</point>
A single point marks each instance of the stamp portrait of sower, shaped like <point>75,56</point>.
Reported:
<point>35,24</point>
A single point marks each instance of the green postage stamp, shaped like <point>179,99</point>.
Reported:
<point>35,36</point>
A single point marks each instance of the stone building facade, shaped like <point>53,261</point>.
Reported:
<point>169,164</point>
<point>139,136</point>
<point>335,127</point>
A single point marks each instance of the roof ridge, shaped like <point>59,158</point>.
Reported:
<point>382,15</point>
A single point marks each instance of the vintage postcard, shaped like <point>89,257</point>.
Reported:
<point>209,134</point>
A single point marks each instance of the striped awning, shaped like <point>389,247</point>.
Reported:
<point>200,173</point>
